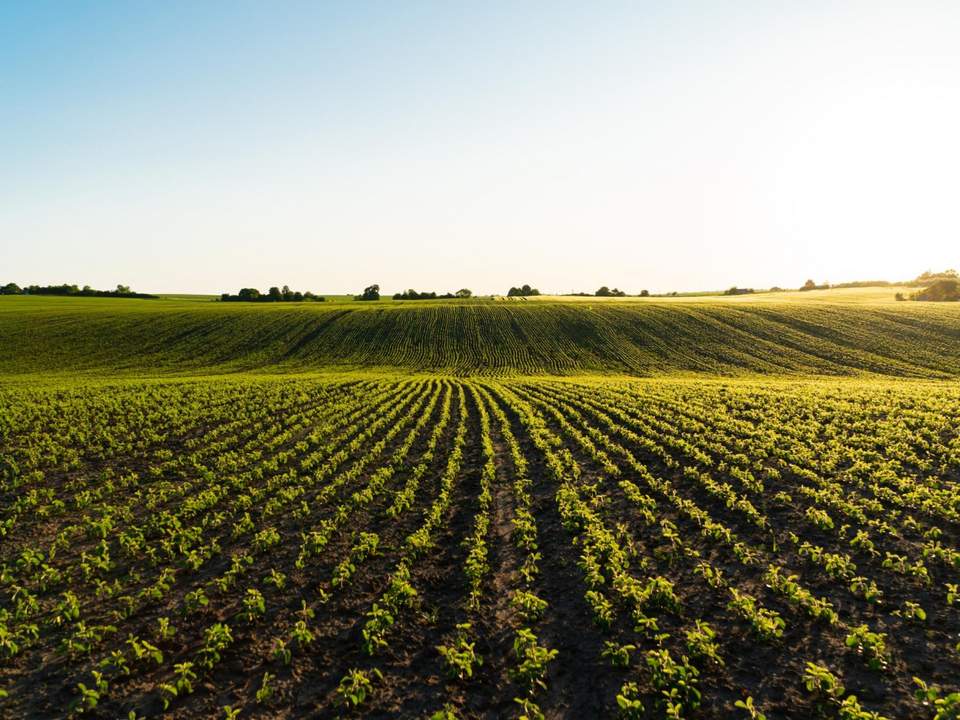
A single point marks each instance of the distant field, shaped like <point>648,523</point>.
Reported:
<point>867,295</point>
<point>799,334</point>
<point>480,509</point>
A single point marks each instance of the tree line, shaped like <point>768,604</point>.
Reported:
<point>922,280</point>
<point>604,291</point>
<point>943,290</point>
<point>412,294</point>
<point>85,291</point>
<point>524,291</point>
<point>274,294</point>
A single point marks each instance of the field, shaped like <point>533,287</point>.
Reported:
<point>857,335</point>
<point>480,510</point>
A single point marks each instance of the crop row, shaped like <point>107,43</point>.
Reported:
<point>443,547</point>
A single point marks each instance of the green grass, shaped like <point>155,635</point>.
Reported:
<point>797,334</point>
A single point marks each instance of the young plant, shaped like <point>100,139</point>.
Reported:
<point>144,650</point>
<point>265,692</point>
<point>356,686</point>
<point>947,707</point>
<point>460,657</point>
<point>870,645</point>
<point>750,708</point>
<point>821,681</point>
<point>90,696</point>
<point>182,683</point>
<point>447,712</point>
<point>529,606</point>
<point>676,681</point>
<point>217,638</point>
<point>767,623</point>
<point>533,659</point>
<point>281,652</point>
<point>165,631</point>
<point>912,611</point>
<point>850,709</point>
<point>618,655</point>
<point>301,634</point>
<point>529,709</point>
<point>629,701</point>
<point>702,643</point>
<point>277,579</point>
<point>254,605</point>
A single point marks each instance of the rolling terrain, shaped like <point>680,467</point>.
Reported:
<point>738,337</point>
<point>684,508</point>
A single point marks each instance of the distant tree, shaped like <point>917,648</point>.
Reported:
<point>70,290</point>
<point>946,290</point>
<point>57,290</point>
<point>900,297</point>
<point>412,294</point>
<point>604,291</point>
<point>525,291</point>
<point>274,295</point>
<point>464,293</point>
<point>644,293</point>
<point>371,292</point>
<point>928,277</point>
<point>809,285</point>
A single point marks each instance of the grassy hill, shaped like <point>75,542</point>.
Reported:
<point>858,333</point>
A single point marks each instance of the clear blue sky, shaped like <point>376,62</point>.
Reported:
<point>206,146</point>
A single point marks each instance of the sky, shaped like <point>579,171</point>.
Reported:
<point>204,147</point>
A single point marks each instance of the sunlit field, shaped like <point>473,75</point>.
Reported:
<point>479,509</point>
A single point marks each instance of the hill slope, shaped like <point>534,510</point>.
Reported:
<point>39,335</point>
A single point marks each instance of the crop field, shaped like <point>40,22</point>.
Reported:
<point>93,336</point>
<point>428,545</point>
